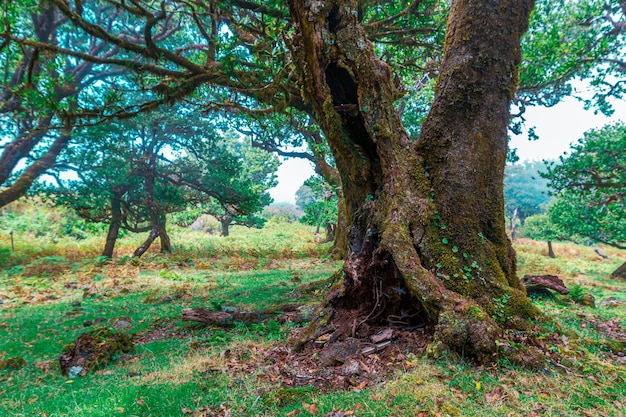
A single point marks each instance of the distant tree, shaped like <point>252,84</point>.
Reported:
<point>256,177</point>
<point>305,196</point>
<point>590,187</point>
<point>132,174</point>
<point>319,206</point>
<point>525,191</point>
<point>282,212</point>
<point>540,227</point>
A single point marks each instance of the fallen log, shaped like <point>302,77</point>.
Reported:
<point>601,254</point>
<point>540,283</point>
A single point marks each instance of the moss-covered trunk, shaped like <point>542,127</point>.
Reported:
<point>427,235</point>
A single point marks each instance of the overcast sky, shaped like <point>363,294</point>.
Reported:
<point>557,127</point>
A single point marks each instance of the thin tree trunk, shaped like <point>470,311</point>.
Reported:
<point>550,250</point>
<point>330,232</point>
<point>513,228</point>
<point>114,226</point>
<point>425,216</point>
<point>225,221</point>
<point>154,233</point>
<point>166,244</point>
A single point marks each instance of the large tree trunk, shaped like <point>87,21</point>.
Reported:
<point>427,228</point>
<point>114,226</point>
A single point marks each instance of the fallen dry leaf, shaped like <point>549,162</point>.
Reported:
<point>492,397</point>
<point>310,408</point>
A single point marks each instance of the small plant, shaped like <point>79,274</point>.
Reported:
<point>499,312</point>
<point>577,293</point>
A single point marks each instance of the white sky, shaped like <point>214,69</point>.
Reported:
<point>556,127</point>
<point>559,126</point>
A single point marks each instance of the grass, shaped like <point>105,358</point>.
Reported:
<point>51,290</point>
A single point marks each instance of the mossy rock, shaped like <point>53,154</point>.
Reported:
<point>95,349</point>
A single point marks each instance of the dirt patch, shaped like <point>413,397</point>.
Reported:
<point>352,363</point>
<point>612,329</point>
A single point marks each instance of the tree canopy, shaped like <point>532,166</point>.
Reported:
<point>590,186</point>
<point>71,63</point>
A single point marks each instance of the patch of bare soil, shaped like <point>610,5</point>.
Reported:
<point>352,363</point>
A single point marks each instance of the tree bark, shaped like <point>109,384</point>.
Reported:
<point>143,248</point>
<point>114,226</point>
<point>33,171</point>
<point>166,244</point>
<point>620,272</point>
<point>225,221</point>
<point>426,219</point>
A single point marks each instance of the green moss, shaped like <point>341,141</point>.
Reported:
<point>96,348</point>
<point>283,396</point>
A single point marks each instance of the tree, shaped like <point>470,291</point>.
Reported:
<point>131,175</point>
<point>573,40</point>
<point>44,86</point>
<point>258,174</point>
<point>540,227</point>
<point>590,187</point>
<point>428,215</point>
<point>525,191</point>
<point>424,214</point>
<point>319,202</point>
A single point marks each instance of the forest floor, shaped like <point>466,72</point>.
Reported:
<point>53,291</point>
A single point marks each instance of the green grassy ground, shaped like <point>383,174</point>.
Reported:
<point>50,290</point>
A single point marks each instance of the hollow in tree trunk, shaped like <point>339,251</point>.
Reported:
<point>426,220</point>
